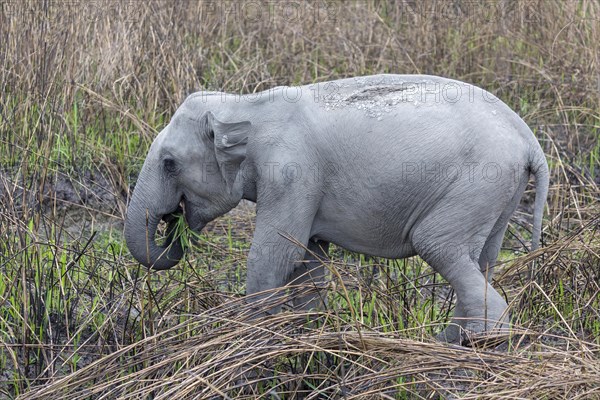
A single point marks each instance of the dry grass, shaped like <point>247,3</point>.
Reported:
<point>221,353</point>
<point>85,87</point>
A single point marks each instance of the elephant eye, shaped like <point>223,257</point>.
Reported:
<point>170,165</point>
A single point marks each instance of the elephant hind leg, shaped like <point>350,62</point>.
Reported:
<point>312,271</point>
<point>490,252</point>
<point>493,244</point>
<point>479,307</point>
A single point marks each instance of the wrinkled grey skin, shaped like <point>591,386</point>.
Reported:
<point>388,165</point>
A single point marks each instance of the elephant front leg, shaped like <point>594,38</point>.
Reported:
<point>277,250</point>
<point>311,271</point>
<point>270,263</point>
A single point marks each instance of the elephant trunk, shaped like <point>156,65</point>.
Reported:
<point>140,234</point>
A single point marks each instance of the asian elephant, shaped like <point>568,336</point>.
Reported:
<point>386,165</point>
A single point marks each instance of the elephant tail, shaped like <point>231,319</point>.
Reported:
<point>539,168</point>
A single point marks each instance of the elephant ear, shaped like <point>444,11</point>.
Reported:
<point>230,139</point>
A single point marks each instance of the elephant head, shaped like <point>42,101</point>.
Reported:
<point>193,165</point>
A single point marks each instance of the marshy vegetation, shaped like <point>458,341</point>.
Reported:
<point>85,86</point>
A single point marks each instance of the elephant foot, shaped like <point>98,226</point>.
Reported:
<point>310,298</point>
<point>475,334</point>
<point>487,340</point>
<point>453,334</point>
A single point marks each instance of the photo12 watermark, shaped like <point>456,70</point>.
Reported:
<point>487,11</point>
<point>126,10</point>
<point>411,174</point>
<point>270,11</point>
<point>55,11</point>
<point>384,92</point>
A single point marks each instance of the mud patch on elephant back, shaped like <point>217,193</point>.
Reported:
<point>378,100</point>
<point>374,93</point>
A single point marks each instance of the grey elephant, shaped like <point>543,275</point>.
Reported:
<point>386,165</point>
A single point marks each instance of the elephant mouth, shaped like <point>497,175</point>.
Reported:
<point>173,231</point>
<point>173,216</point>
<point>169,229</point>
<point>190,213</point>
